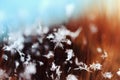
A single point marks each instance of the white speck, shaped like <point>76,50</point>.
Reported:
<point>71,77</point>
<point>5,57</point>
<point>70,54</point>
<point>107,75</point>
<point>95,66</point>
<point>77,62</point>
<point>60,36</point>
<point>15,41</point>
<point>104,55</point>
<point>58,72</point>
<point>22,56</point>
<point>81,65</point>
<point>99,50</point>
<point>49,55</point>
<point>118,72</point>
<point>76,33</point>
<point>52,77</point>
<point>53,68</point>
<point>35,45</point>
<point>41,63</point>
<point>38,53</point>
<point>29,70</point>
<point>69,9</point>
<point>93,28</point>
<point>17,64</point>
<point>69,42</point>
<point>27,59</point>
<point>50,36</point>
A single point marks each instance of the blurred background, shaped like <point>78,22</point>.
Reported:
<point>17,14</point>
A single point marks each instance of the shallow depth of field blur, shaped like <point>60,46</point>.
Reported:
<point>16,15</point>
<point>97,23</point>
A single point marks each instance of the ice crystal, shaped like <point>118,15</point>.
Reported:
<point>107,75</point>
<point>95,66</point>
<point>71,77</point>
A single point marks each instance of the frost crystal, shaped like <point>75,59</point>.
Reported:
<point>5,57</point>
<point>53,68</point>
<point>15,42</point>
<point>104,55</point>
<point>71,77</point>
<point>29,70</point>
<point>49,55</point>
<point>99,49</point>
<point>95,66</point>
<point>59,37</point>
<point>70,54</point>
<point>107,75</point>
<point>58,72</point>
<point>81,65</point>
<point>118,72</point>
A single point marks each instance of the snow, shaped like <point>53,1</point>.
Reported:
<point>68,42</point>
<point>96,66</point>
<point>53,68</point>
<point>5,57</point>
<point>17,64</point>
<point>70,54</point>
<point>50,36</point>
<point>41,63</point>
<point>35,45</point>
<point>59,36</point>
<point>118,72</point>
<point>93,28</point>
<point>22,56</point>
<point>58,72</point>
<point>49,55</point>
<point>107,75</point>
<point>15,42</point>
<point>27,59</point>
<point>29,70</point>
<point>99,50</point>
<point>81,65</point>
<point>71,77</point>
<point>105,55</point>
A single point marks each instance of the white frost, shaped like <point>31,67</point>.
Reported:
<point>95,66</point>
<point>49,55</point>
<point>99,50</point>
<point>107,75</point>
<point>29,70</point>
<point>118,72</point>
<point>71,77</point>
<point>70,54</point>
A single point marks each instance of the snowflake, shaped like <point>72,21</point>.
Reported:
<point>81,65</point>
<point>95,66</point>
<point>104,55</point>
<point>107,75</point>
<point>59,37</point>
<point>71,77</point>
<point>49,55</point>
<point>29,70</point>
<point>70,54</point>
<point>118,72</point>
<point>58,72</point>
